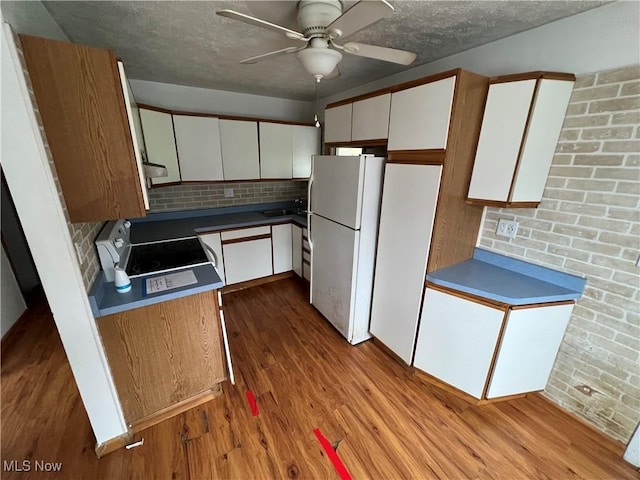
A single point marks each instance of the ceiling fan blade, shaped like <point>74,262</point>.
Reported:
<point>277,53</point>
<point>261,23</point>
<point>361,15</point>
<point>380,53</point>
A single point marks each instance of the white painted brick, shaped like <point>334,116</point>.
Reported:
<point>598,160</point>
<point>612,199</point>
<point>606,133</point>
<point>630,215</point>
<point>589,246</point>
<point>632,188</point>
<point>603,224</point>
<point>588,269</point>
<point>565,218</point>
<point>591,185</point>
<point>583,209</point>
<point>563,194</point>
<point>568,252</point>
<point>575,231</point>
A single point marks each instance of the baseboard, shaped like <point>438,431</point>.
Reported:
<point>255,282</point>
<point>113,444</point>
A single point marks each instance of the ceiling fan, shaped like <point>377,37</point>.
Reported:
<point>321,23</point>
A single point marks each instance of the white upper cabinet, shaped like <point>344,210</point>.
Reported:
<point>306,143</point>
<point>198,142</point>
<point>239,143</point>
<point>419,118</point>
<point>276,150</point>
<point>337,124</point>
<point>371,118</point>
<point>520,130</point>
<point>160,143</point>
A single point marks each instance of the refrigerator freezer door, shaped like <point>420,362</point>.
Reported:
<point>333,274</point>
<point>336,189</point>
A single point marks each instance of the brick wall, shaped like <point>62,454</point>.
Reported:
<point>82,233</point>
<point>203,195</point>
<point>589,224</point>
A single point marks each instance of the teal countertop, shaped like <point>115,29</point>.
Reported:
<point>508,280</point>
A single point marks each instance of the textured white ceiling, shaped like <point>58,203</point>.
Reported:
<point>186,43</point>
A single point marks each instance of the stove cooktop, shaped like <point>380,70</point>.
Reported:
<point>161,256</point>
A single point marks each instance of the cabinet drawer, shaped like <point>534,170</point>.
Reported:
<point>305,244</point>
<point>306,256</point>
<point>245,233</point>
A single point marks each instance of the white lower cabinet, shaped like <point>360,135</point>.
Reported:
<point>247,254</point>
<point>213,248</point>
<point>456,341</point>
<point>281,239</point>
<point>296,249</point>
<point>489,351</point>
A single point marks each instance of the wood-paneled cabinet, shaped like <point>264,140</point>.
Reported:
<point>520,129</point>
<point>370,118</point>
<point>488,351</point>
<point>166,357</point>
<point>160,142</point>
<point>85,110</point>
<point>198,145</point>
<point>420,116</point>
<point>239,143</point>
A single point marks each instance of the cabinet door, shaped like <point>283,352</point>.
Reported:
<point>408,209</point>
<point>503,123</point>
<point>296,249</point>
<point>198,142</point>
<point>457,340</point>
<point>528,349</point>
<point>80,98</point>
<point>337,124</point>
<point>151,373</point>
<point>239,142</point>
<point>160,142</point>
<point>276,150</point>
<point>306,143</point>
<point>419,118</point>
<point>371,118</point>
<point>247,254</point>
<point>213,248</point>
<point>281,239</point>
<point>549,109</point>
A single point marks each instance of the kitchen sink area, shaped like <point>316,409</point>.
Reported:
<point>282,212</point>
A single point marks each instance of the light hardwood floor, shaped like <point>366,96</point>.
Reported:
<point>386,423</point>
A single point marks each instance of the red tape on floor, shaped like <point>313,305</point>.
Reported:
<point>252,403</point>
<point>333,456</point>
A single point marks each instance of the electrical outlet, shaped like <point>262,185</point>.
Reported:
<point>507,228</point>
<point>228,192</point>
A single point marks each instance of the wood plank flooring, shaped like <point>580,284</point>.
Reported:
<point>386,423</point>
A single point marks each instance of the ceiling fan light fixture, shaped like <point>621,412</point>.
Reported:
<point>319,62</point>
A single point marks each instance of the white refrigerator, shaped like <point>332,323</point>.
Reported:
<point>344,208</point>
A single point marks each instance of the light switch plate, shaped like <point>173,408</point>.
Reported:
<point>228,192</point>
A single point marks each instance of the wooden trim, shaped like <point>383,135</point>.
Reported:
<point>246,239</point>
<point>468,296</point>
<point>517,77</point>
<point>501,204</point>
<point>376,142</point>
<point>256,281</point>
<point>173,410</point>
<point>422,157</point>
<point>525,134</point>
<point>381,345</point>
<point>364,96</point>
<point>425,80</point>
<point>113,444</point>
<point>541,305</point>
<point>220,116</point>
<point>251,180</point>
<point>488,401</point>
<point>494,357</point>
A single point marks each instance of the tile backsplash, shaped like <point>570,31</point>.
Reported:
<point>207,195</point>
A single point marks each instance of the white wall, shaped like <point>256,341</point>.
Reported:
<point>30,179</point>
<point>193,99</point>
<point>600,39</point>
<point>11,302</point>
